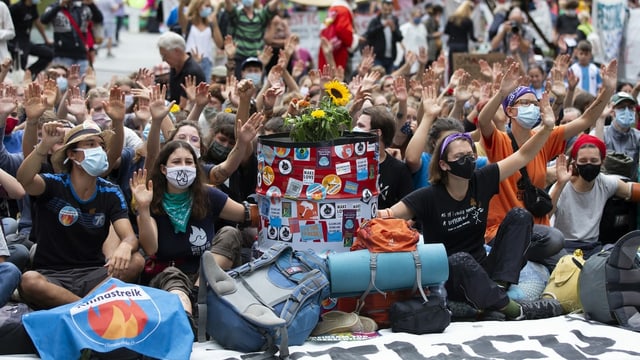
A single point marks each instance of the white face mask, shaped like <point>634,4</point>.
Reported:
<point>181,176</point>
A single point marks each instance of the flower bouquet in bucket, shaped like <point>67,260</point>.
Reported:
<point>317,183</point>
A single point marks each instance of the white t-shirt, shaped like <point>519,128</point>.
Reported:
<point>578,214</point>
<point>201,41</point>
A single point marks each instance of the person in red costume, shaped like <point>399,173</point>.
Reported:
<point>338,30</point>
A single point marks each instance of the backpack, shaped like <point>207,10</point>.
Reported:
<point>13,337</point>
<point>275,299</point>
<point>608,284</point>
<point>563,282</point>
<point>382,249</point>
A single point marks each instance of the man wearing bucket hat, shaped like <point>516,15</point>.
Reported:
<point>622,136</point>
<point>76,210</point>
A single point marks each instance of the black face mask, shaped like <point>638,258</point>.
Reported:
<point>217,153</point>
<point>463,167</point>
<point>589,171</point>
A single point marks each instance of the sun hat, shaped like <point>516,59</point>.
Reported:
<point>78,133</point>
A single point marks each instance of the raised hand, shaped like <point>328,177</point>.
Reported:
<point>338,73</point>
<point>8,101</point>
<point>366,63</point>
<point>564,170</point>
<point>76,104</point>
<point>265,55</point>
<point>510,79</point>
<point>73,78</point>
<point>34,103</point>
<point>314,76</point>
<point>439,65</point>
<point>430,101</point>
<point>369,80</point>
<point>189,87</point>
<point>115,106</point>
<point>410,58</point>
<point>270,96</point>
<point>157,103</point>
<point>572,79</point>
<point>244,89</point>
<point>558,87</point>
<point>462,92</point>
<point>546,112</point>
<point>275,76</point>
<point>326,74</point>
<point>202,94</point>
<point>52,133</point>
<point>290,45</point>
<point>609,75</point>
<point>141,189</point>
<point>230,47</point>
<point>90,78</point>
<point>142,110</point>
<point>145,78</point>
<point>485,68</point>
<point>298,68</point>
<point>245,133</point>
<point>400,88</point>
<point>50,92</point>
<point>562,63</point>
<point>423,56</point>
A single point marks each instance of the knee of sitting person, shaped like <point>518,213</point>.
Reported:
<point>460,259</point>
<point>10,273</point>
<point>520,214</point>
<point>19,256</point>
<point>31,284</point>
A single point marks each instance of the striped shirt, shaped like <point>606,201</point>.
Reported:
<point>248,34</point>
<point>590,80</point>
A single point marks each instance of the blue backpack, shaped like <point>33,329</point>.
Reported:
<point>273,300</point>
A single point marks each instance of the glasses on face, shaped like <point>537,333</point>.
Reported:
<point>192,139</point>
<point>525,102</point>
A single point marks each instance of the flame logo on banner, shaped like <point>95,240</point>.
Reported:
<point>117,319</point>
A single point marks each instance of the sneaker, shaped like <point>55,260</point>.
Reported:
<point>539,309</point>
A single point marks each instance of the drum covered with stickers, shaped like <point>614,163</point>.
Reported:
<point>315,195</point>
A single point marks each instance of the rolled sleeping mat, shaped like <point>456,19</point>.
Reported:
<point>350,271</point>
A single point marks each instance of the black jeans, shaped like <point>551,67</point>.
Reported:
<point>43,52</point>
<point>474,281</point>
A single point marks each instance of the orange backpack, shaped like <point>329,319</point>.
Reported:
<point>386,235</point>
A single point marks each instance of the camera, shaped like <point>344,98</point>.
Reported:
<point>515,27</point>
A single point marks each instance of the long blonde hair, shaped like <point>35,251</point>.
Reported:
<point>463,12</point>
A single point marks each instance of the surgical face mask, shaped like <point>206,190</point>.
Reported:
<point>463,167</point>
<point>417,20</point>
<point>95,161</point>
<point>254,77</point>
<point>357,129</point>
<point>218,152</point>
<point>128,101</point>
<point>181,176</point>
<point>206,12</point>
<point>588,171</point>
<point>528,116</point>
<point>102,120</point>
<point>209,112</point>
<point>62,83</point>
<point>304,90</point>
<point>625,117</point>
<point>247,3</point>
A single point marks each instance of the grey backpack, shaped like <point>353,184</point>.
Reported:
<point>609,284</point>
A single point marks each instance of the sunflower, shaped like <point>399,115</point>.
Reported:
<point>338,92</point>
<point>318,113</point>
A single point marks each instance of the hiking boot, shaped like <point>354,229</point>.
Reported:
<point>539,309</point>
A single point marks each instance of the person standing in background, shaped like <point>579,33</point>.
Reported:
<point>7,31</point>
<point>338,30</point>
<point>24,14</point>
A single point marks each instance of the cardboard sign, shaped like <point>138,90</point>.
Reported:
<point>469,62</point>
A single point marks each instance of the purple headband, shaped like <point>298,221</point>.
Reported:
<point>515,95</point>
<point>455,136</point>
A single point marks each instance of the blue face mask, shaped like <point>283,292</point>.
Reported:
<point>95,161</point>
<point>206,12</point>
<point>625,117</point>
<point>254,77</point>
<point>62,83</point>
<point>528,116</point>
<point>417,20</point>
<point>247,3</point>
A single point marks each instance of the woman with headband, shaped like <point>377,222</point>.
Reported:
<point>453,211</point>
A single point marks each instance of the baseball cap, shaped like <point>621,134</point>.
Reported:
<point>219,71</point>
<point>622,96</point>
<point>251,61</point>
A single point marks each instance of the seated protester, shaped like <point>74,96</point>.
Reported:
<point>76,210</point>
<point>523,110</point>
<point>9,272</point>
<point>17,254</point>
<point>275,125</point>
<point>455,208</point>
<point>176,216</point>
<point>622,136</point>
<point>579,201</point>
<point>394,180</point>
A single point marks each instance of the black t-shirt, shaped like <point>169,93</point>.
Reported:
<point>567,24</point>
<point>459,225</point>
<point>23,17</point>
<point>395,182</point>
<point>71,231</point>
<point>191,67</point>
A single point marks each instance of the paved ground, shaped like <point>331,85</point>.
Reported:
<point>134,51</point>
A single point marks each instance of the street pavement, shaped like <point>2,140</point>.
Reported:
<point>135,50</point>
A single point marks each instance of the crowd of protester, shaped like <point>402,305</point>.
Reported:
<point>119,180</point>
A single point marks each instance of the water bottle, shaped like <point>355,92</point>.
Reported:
<point>439,290</point>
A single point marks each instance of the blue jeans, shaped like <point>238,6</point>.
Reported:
<point>207,67</point>
<point>9,280</point>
